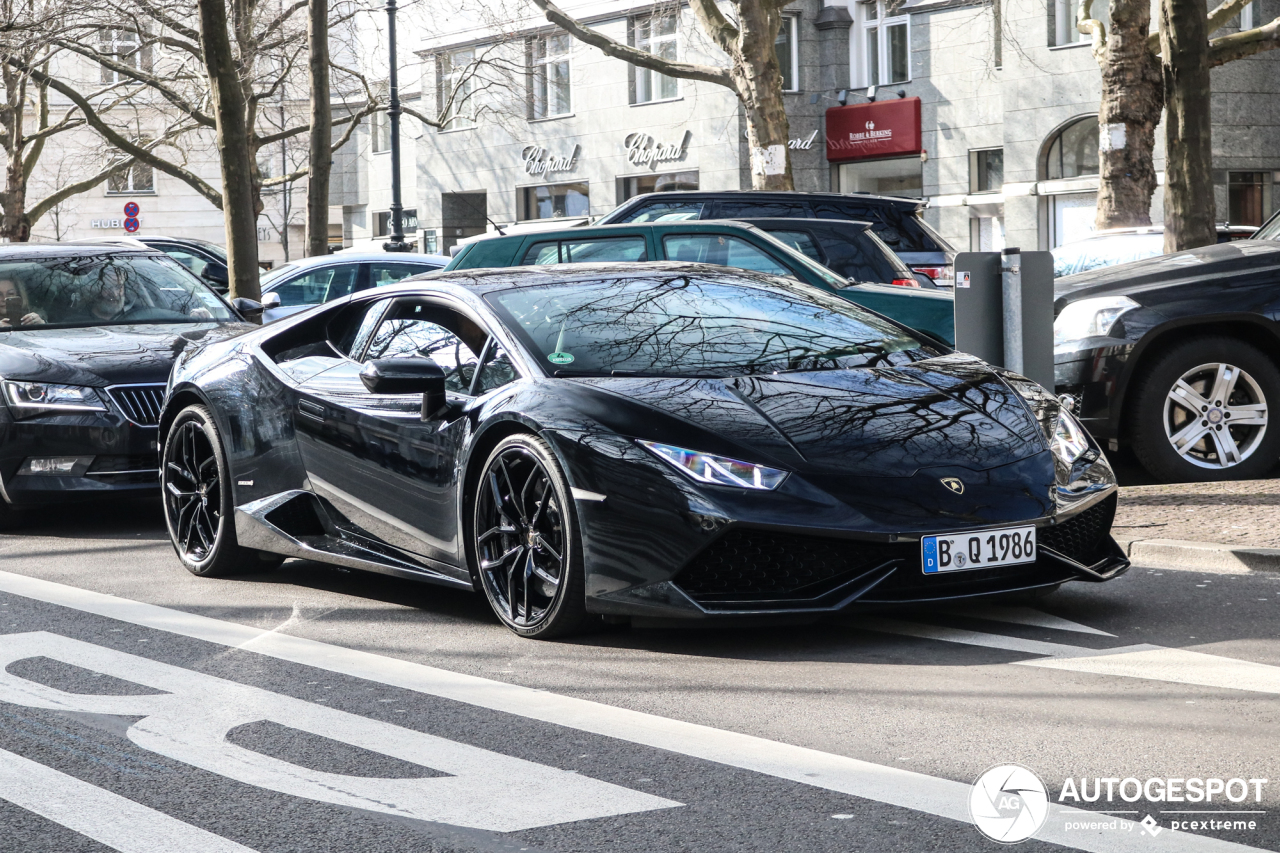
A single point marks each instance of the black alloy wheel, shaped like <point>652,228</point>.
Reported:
<point>525,543</point>
<point>1201,412</point>
<point>197,500</point>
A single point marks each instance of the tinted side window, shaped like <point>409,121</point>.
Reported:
<point>902,230</point>
<point>741,209</point>
<point>665,211</point>
<point>587,251</point>
<point>381,274</point>
<point>418,331</point>
<point>496,372</point>
<point>861,256</point>
<point>801,241</point>
<point>317,286</point>
<point>542,253</point>
<point>722,249</point>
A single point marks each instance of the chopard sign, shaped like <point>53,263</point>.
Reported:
<point>537,161</point>
<point>642,150</point>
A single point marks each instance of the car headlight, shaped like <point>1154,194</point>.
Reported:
<point>26,397</point>
<point>1069,441</point>
<point>1090,318</point>
<point>716,470</point>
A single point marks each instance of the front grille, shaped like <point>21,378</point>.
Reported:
<point>1083,536</point>
<point>140,404</point>
<point>745,565</point>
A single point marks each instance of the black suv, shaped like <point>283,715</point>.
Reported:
<point>894,220</point>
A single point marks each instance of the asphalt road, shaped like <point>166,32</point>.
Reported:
<point>314,709</point>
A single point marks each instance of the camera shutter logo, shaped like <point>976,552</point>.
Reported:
<point>1008,803</point>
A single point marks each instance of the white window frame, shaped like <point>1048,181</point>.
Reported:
<point>872,18</point>
<point>539,66</point>
<point>462,113</point>
<point>654,42</point>
<point>125,47</point>
<point>1248,17</point>
<point>792,22</point>
<point>129,175</point>
<point>1066,34</point>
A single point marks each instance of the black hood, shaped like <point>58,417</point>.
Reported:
<point>103,355</point>
<point>1240,260</point>
<point>880,439</point>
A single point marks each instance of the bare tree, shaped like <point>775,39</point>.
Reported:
<point>320,134</point>
<point>1138,70</point>
<point>752,73</point>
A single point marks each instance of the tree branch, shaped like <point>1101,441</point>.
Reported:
<point>353,121</point>
<point>148,80</point>
<point>47,204</point>
<point>128,146</point>
<point>715,24</point>
<point>290,132</point>
<point>1239,45</point>
<point>1087,25</point>
<point>685,70</point>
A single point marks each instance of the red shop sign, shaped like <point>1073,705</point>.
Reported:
<point>871,131</point>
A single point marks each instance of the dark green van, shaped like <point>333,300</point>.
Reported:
<point>724,243</point>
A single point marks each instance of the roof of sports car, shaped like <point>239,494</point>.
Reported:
<point>507,278</point>
<point>22,251</point>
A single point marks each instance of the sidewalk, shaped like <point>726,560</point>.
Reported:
<point>1213,527</point>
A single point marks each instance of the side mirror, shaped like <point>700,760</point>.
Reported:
<point>216,274</point>
<point>248,309</point>
<point>407,376</point>
<point>270,300</point>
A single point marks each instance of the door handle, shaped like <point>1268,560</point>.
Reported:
<point>311,410</point>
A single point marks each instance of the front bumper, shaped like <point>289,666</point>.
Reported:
<point>1095,375</point>
<point>124,457</point>
<point>656,547</point>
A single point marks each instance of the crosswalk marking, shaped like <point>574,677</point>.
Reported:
<point>1024,616</point>
<point>107,818</point>
<point>878,783</point>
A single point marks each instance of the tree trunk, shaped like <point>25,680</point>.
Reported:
<point>758,79</point>
<point>321,161</point>
<point>1132,100</point>
<point>239,202</point>
<point>1188,185</point>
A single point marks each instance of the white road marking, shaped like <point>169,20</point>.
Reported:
<point>875,782</point>
<point>1152,663</point>
<point>1024,616</point>
<point>190,720</point>
<point>107,818</point>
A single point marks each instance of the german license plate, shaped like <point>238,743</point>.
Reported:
<point>984,549</point>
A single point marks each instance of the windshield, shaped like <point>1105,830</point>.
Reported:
<point>1270,229</point>
<point>676,325</point>
<point>1105,252</point>
<point>271,275</point>
<point>104,290</point>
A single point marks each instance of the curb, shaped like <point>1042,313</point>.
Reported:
<point>1208,557</point>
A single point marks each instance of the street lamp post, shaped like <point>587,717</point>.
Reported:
<point>396,243</point>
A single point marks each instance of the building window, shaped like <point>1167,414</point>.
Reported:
<point>380,132</point>
<point>986,170</point>
<point>430,242</point>
<point>1073,153</point>
<point>455,79</point>
<point>549,91</point>
<point>1250,16</point>
<point>886,45</point>
<point>1245,198</point>
<point>669,182</point>
<point>788,53</point>
<point>137,178</point>
<point>656,34</point>
<point>554,201</point>
<point>382,222</point>
<point>125,48</point>
<point>1065,13</point>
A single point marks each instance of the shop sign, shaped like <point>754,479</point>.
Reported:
<point>875,130</point>
<point>538,161</point>
<point>643,150</point>
<point>803,143</point>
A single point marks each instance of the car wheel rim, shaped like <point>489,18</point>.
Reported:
<point>1215,416</point>
<point>192,492</point>
<point>520,538</point>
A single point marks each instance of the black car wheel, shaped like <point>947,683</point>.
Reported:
<point>525,543</point>
<point>197,500</point>
<point>1201,412</point>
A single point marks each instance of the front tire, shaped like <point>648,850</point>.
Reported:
<point>1202,412</point>
<point>525,547</point>
<point>198,508</point>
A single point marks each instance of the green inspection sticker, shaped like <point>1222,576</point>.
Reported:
<point>560,358</point>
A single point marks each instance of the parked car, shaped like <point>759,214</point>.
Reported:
<point>895,220</point>
<point>205,259</point>
<point>1175,356</point>
<point>87,338</point>
<point>307,282</point>
<point>733,244</point>
<point>671,440</point>
<point>850,249</point>
<point>1122,246</point>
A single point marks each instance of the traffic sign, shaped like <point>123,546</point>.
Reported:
<point>131,209</point>
<point>131,224</point>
